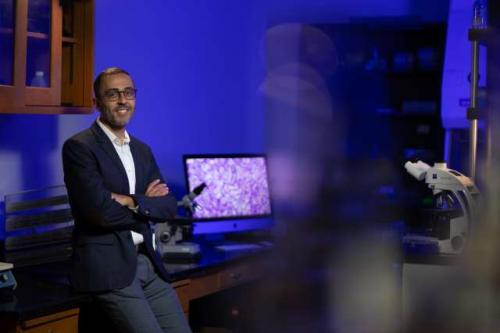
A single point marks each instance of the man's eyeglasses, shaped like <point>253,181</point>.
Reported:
<point>114,94</point>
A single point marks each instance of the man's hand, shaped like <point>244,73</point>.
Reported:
<point>123,200</point>
<point>157,189</point>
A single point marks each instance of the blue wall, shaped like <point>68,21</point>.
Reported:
<point>191,62</point>
<point>197,65</point>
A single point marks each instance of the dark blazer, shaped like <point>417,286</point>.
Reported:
<point>104,255</point>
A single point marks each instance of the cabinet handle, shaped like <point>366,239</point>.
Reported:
<point>235,312</point>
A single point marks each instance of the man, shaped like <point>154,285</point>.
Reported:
<point>115,189</point>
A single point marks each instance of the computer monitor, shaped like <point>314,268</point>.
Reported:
<point>236,196</point>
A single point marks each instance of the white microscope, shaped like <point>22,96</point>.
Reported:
<point>456,204</point>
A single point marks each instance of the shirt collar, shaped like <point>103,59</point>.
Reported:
<point>112,135</point>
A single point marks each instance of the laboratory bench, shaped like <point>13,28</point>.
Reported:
<point>44,302</point>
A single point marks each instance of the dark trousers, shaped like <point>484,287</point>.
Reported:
<point>148,305</point>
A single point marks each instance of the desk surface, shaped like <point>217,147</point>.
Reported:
<point>45,289</point>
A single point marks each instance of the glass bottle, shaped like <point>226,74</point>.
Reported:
<point>480,15</point>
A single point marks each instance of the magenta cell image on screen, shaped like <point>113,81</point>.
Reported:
<point>236,186</point>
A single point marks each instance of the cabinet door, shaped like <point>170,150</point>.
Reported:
<point>42,77</point>
<point>77,53</point>
<point>42,69</point>
<point>60,322</point>
<point>30,53</point>
<point>8,92</point>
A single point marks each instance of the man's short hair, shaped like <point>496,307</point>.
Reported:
<point>107,72</point>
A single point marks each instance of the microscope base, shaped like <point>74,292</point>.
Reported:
<point>183,250</point>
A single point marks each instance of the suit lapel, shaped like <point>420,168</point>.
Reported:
<point>139,172</point>
<point>110,150</point>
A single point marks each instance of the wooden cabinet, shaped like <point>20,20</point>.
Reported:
<point>197,285</point>
<point>62,322</point>
<point>46,56</point>
<point>212,281</point>
<point>238,274</point>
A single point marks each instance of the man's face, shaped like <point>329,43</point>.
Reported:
<point>116,111</point>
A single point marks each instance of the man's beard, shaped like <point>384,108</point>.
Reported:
<point>114,120</point>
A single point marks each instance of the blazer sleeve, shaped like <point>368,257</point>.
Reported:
<point>156,209</point>
<point>90,201</point>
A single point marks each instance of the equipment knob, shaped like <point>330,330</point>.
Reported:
<point>165,237</point>
<point>457,243</point>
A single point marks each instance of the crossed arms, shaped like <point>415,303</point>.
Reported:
<point>95,205</point>
<point>155,189</point>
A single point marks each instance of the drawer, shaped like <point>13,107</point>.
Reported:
<point>233,276</point>
<point>182,288</point>
<point>63,322</point>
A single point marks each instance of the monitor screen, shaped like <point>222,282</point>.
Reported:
<point>236,185</point>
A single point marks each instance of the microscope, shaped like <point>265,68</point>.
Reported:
<point>7,282</point>
<point>170,236</point>
<point>455,208</point>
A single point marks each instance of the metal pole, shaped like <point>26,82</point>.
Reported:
<point>489,154</point>
<point>447,146</point>
<point>473,104</point>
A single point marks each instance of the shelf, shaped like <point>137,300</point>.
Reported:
<point>69,40</point>
<point>412,116</point>
<point>34,109</point>
<point>416,73</point>
<point>37,35</point>
<point>404,75</point>
<point>7,31</point>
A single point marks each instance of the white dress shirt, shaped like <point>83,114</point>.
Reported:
<point>122,147</point>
